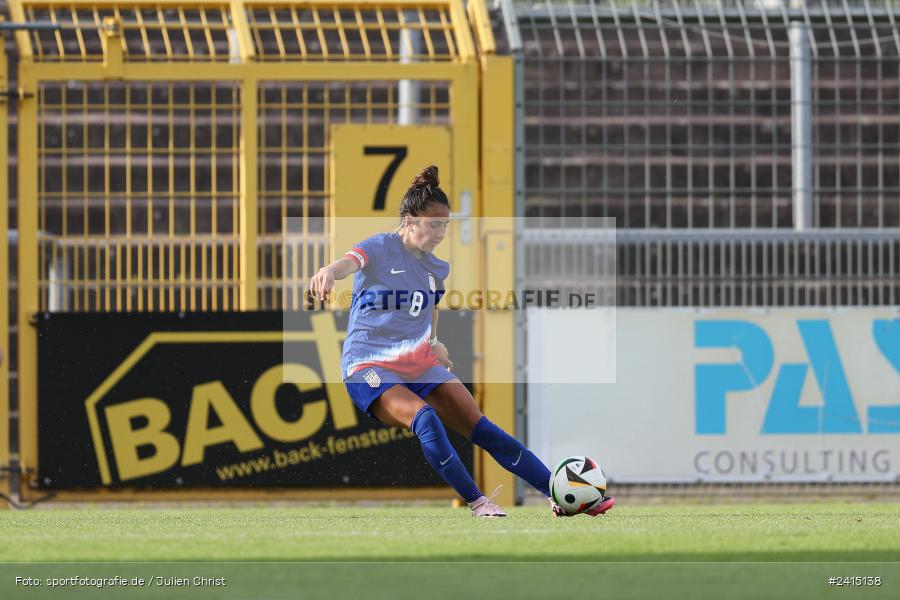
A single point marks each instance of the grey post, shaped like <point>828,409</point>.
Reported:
<point>801,126</point>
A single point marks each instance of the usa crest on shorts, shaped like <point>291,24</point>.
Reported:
<point>372,378</point>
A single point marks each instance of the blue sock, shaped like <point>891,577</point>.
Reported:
<point>512,455</point>
<point>441,455</point>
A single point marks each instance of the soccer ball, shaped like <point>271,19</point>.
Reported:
<point>577,484</point>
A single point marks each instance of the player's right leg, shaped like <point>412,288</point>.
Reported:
<point>399,406</point>
<point>456,406</point>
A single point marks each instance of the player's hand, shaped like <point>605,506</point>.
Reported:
<point>321,283</point>
<point>439,350</point>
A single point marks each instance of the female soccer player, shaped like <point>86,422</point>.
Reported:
<point>394,367</point>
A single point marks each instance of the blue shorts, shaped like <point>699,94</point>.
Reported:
<point>369,383</point>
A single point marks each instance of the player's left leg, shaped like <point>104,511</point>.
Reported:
<point>458,409</point>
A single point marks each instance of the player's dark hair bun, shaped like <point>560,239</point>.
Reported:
<point>427,177</point>
<point>424,190</point>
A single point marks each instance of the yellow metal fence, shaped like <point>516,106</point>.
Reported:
<point>278,31</point>
<point>4,288</point>
<point>294,137</point>
<point>138,196</point>
<point>163,145</point>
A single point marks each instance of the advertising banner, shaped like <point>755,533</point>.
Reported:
<point>780,394</point>
<point>208,400</point>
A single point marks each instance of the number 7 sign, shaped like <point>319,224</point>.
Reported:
<point>372,165</point>
<point>371,168</point>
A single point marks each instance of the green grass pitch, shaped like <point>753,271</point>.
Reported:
<point>391,552</point>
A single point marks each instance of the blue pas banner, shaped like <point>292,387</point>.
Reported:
<point>737,395</point>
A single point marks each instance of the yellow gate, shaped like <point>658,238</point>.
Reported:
<point>4,286</point>
<point>165,145</point>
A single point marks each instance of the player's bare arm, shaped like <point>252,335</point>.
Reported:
<point>322,282</point>
<point>437,347</point>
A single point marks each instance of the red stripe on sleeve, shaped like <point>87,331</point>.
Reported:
<point>359,255</point>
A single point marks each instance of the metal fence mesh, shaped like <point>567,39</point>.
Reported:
<point>715,269</point>
<point>138,186</point>
<point>138,196</point>
<point>295,121</point>
<point>674,118</point>
<point>152,33</point>
<point>373,33</point>
<point>677,114</point>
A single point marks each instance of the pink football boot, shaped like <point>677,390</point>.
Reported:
<point>607,503</point>
<point>485,507</point>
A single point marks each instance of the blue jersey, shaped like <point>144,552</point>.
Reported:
<point>394,294</point>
